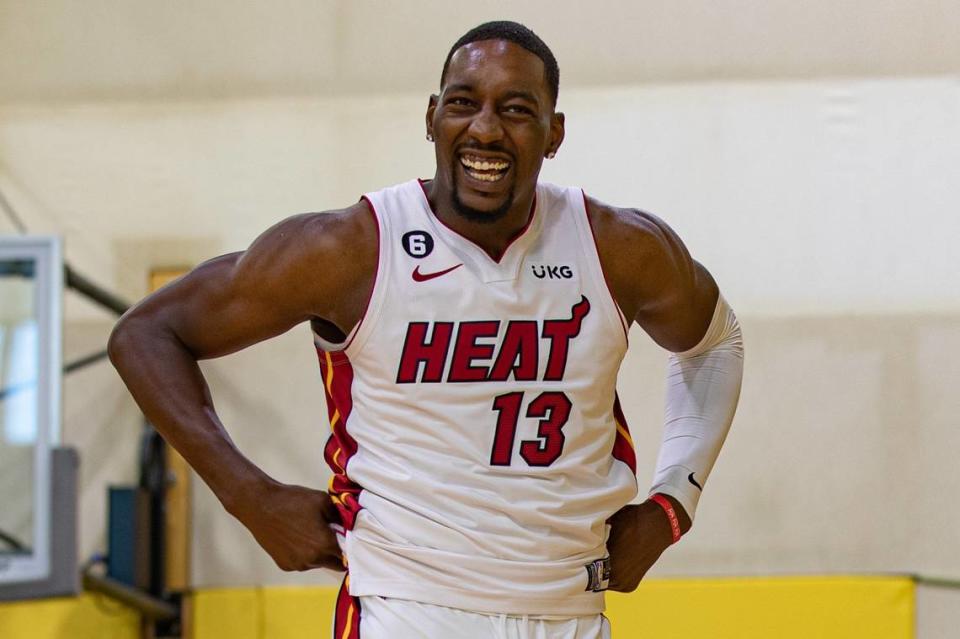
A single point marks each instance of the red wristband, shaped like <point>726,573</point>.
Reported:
<point>671,514</point>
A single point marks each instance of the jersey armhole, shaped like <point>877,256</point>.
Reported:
<point>621,318</point>
<point>361,330</point>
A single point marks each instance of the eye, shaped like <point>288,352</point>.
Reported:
<point>518,109</point>
<point>459,101</point>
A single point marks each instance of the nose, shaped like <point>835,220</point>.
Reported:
<point>485,127</point>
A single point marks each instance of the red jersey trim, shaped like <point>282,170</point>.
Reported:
<point>346,615</point>
<point>593,234</point>
<point>623,443</point>
<point>376,275</point>
<point>340,447</point>
<point>348,340</point>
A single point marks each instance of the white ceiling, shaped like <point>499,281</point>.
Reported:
<point>117,49</point>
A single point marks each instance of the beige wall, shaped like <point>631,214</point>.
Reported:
<point>838,458</point>
<point>806,152</point>
<point>802,197</point>
<point>794,194</point>
<point>106,49</point>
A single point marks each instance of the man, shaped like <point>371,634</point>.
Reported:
<point>470,329</point>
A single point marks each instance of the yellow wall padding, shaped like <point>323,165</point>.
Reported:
<point>771,607</point>
<point>736,608</point>
<point>84,617</point>
<point>228,612</point>
<point>298,612</point>
<point>258,613</point>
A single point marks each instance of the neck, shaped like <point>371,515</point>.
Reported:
<point>492,236</point>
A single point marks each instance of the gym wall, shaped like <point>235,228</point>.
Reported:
<point>828,236</point>
<point>823,199</point>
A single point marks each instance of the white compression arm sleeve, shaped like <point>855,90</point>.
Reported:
<point>703,386</point>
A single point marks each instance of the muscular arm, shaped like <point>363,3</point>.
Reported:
<point>654,280</point>
<point>292,273</point>
<point>673,298</point>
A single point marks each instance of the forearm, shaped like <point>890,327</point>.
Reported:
<point>703,387</point>
<point>168,385</point>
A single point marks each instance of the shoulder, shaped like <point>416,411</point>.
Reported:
<point>637,249</point>
<point>338,228</point>
<point>323,255</point>
<point>310,237</point>
<point>652,275</point>
<point>631,232</point>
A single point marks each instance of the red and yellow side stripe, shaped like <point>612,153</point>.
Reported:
<point>337,374</point>
<point>346,620</point>
<point>623,444</point>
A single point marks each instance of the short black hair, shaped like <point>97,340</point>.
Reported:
<point>518,34</point>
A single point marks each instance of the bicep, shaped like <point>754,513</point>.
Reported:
<point>220,307</point>
<point>682,312</point>
<point>239,299</point>
<point>676,294</point>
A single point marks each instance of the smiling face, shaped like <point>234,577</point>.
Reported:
<point>493,123</point>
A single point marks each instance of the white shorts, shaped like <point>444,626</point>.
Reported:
<point>387,618</point>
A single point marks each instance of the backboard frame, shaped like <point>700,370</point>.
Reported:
<point>47,254</point>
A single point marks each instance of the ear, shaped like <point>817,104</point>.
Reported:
<point>431,109</point>
<point>557,132</point>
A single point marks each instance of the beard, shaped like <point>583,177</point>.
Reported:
<point>477,215</point>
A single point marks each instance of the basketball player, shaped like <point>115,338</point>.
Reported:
<point>470,329</point>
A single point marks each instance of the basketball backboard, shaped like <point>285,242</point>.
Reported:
<point>31,293</point>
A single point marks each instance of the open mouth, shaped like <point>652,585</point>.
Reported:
<point>484,169</point>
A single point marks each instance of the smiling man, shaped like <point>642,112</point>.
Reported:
<point>470,347</point>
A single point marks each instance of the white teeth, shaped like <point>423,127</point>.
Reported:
<point>486,177</point>
<point>484,165</point>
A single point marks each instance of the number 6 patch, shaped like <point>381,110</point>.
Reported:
<point>417,244</point>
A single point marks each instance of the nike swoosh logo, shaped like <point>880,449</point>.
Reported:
<point>694,482</point>
<point>423,277</point>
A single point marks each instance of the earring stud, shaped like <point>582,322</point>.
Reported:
<point>551,155</point>
<point>429,137</point>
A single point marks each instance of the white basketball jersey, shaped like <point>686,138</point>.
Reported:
<point>477,447</point>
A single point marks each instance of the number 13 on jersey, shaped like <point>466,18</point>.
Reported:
<point>551,408</point>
